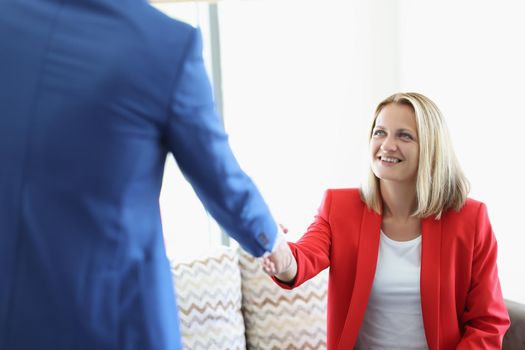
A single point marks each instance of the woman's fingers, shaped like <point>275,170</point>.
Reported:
<point>268,266</point>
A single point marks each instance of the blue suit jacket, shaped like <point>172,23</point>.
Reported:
<point>93,96</point>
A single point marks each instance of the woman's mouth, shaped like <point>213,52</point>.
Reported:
<point>389,160</point>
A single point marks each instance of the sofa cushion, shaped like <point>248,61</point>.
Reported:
<point>515,337</point>
<point>282,319</point>
<point>208,294</point>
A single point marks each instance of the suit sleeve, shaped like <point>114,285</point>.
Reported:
<point>200,146</point>
<point>486,318</point>
<point>312,250</point>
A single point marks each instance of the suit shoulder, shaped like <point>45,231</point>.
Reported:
<point>472,206</point>
<point>347,195</point>
<point>162,26</point>
<point>150,12</point>
<point>469,212</point>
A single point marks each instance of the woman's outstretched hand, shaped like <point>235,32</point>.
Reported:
<point>281,262</point>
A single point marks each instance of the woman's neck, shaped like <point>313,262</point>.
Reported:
<point>399,199</point>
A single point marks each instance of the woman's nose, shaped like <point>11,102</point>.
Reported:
<point>388,145</point>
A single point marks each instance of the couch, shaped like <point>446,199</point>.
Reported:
<point>225,301</point>
<point>515,337</point>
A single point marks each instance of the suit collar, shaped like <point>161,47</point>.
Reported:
<point>365,271</point>
<point>430,278</point>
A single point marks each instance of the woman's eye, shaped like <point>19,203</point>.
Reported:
<point>379,133</point>
<point>406,136</point>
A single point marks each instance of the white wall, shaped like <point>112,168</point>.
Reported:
<point>301,80</point>
<point>300,86</point>
<point>469,57</point>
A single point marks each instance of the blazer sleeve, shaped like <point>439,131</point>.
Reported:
<point>486,318</point>
<point>197,139</point>
<point>312,250</point>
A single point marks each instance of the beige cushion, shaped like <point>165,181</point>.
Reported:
<point>282,319</point>
<point>209,300</point>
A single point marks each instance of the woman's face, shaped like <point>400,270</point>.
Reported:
<point>394,144</point>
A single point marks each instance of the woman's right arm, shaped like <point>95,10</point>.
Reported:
<point>281,264</point>
<point>291,264</point>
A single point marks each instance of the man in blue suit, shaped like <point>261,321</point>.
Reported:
<point>93,96</point>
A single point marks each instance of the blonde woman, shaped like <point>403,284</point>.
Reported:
<point>412,259</point>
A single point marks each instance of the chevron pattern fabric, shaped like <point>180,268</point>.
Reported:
<point>209,301</point>
<point>279,319</point>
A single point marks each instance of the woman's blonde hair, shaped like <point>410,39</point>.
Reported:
<point>440,183</point>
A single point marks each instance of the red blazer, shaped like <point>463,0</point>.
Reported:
<point>461,297</point>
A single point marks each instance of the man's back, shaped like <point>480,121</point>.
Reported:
<point>88,115</point>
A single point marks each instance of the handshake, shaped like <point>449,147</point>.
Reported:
<point>280,263</point>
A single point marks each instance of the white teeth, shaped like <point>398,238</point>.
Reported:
<point>390,159</point>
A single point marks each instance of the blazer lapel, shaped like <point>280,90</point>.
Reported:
<point>365,272</point>
<point>430,279</point>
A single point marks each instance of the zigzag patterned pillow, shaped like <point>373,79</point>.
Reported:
<point>277,319</point>
<point>209,301</point>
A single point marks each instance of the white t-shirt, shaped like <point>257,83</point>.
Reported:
<point>393,318</point>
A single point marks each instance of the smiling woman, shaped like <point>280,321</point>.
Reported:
<point>422,136</point>
<point>394,145</point>
<point>409,253</point>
